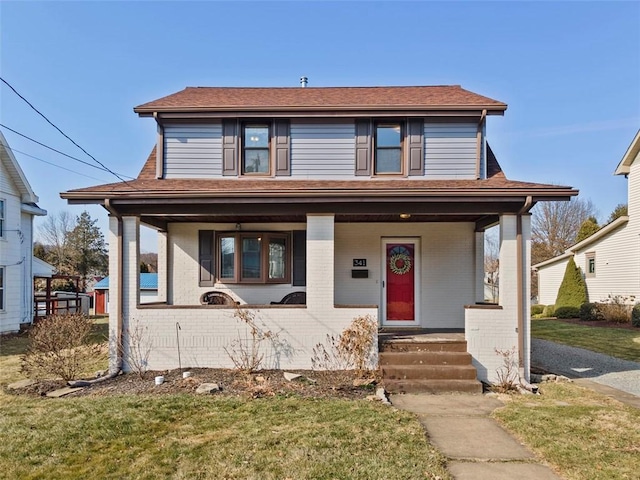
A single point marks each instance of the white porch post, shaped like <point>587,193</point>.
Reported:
<point>131,266</point>
<point>479,267</point>
<point>508,280</point>
<point>162,266</point>
<point>320,261</point>
<point>115,315</point>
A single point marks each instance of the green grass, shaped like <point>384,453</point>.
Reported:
<point>205,437</point>
<point>582,434</point>
<point>617,342</point>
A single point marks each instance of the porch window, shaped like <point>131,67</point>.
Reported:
<point>256,257</point>
<point>591,264</point>
<point>388,148</point>
<point>255,149</point>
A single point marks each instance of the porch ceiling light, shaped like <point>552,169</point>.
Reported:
<point>405,216</point>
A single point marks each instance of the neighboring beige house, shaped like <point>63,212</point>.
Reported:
<point>610,258</point>
<point>370,200</point>
<point>17,209</point>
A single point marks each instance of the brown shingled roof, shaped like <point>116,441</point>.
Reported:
<point>321,98</point>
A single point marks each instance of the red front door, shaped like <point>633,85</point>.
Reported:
<point>400,282</point>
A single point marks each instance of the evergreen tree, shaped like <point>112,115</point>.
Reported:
<point>87,250</point>
<point>588,228</point>
<point>621,210</point>
<point>573,290</point>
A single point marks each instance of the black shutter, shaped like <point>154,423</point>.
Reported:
<point>415,142</point>
<point>363,147</point>
<point>206,258</point>
<point>230,147</point>
<point>282,150</point>
<point>299,258</point>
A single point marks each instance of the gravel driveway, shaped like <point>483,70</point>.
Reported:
<point>577,362</point>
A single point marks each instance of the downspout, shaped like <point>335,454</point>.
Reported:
<point>119,308</point>
<point>520,284</point>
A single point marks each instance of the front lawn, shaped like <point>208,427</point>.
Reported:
<point>187,436</point>
<point>585,435</point>
<point>619,343</point>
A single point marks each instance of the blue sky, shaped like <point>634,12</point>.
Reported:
<point>569,71</point>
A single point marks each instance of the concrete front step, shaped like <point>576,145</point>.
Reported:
<point>431,346</point>
<point>429,372</point>
<point>433,386</point>
<point>424,358</point>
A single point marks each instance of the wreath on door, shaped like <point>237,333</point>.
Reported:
<point>400,261</point>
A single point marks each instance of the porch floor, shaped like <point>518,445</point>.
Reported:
<point>420,335</point>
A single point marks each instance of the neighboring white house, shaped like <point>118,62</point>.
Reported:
<point>17,209</point>
<point>610,258</point>
<point>371,200</point>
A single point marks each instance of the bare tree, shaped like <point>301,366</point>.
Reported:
<point>54,235</point>
<point>555,226</point>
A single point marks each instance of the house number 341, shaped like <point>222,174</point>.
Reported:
<point>359,262</point>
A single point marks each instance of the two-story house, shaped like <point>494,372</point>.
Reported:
<point>17,210</point>
<point>610,258</point>
<point>370,200</point>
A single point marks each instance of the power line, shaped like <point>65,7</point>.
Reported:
<point>64,134</point>
<point>55,165</point>
<point>57,151</point>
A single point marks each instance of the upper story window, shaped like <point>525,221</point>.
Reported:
<point>255,149</point>
<point>388,148</point>
<point>2,218</point>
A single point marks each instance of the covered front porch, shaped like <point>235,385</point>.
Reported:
<point>448,288</point>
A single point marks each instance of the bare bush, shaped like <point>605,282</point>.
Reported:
<point>59,346</point>
<point>616,308</point>
<point>508,376</point>
<point>139,345</point>
<point>247,351</point>
<point>352,349</point>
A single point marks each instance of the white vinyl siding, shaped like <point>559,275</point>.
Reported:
<point>321,150</point>
<point>450,150</point>
<point>193,151</point>
<point>549,280</point>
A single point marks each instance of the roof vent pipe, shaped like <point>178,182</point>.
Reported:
<point>304,81</point>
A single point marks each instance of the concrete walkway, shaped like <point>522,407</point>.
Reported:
<point>476,446</point>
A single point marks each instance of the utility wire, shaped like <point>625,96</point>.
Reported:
<point>64,134</point>
<point>57,151</point>
<point>55,165</point>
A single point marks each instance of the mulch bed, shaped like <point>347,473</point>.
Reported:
<point>312,384</point>
<point>599,323</point>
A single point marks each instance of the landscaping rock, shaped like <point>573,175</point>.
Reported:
<point>21,384</point>
<point>61,392</point>
<point>381,394</point>
<point>363,382</point>
<point>208,388</point>
<point>291,376</point>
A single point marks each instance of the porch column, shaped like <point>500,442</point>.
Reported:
<point>320,261</point>
<point>162,266</point>
<point>479,266</point>
<point>131,266</point>
<point>508,280</point>
<point>115,273</point>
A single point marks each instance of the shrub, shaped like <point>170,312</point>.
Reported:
<point>635,315</point>
<point>354,348</point>
<point>59,346</point>
<point>616,309</point>
<point>549,311</point>
<point>507,373</point>
<point>537,309</point>
<point>567,312</point>
<point>573,290</point>
<point>589,312</point>
<point>247,351</point>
